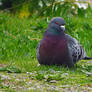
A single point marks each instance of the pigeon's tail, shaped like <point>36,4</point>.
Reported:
<point>87,58</point>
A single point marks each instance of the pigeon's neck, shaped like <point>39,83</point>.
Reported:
<point>54,31</point>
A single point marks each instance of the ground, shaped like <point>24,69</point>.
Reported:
<point>46,78</point>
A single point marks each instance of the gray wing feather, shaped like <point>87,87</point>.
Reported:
<point>75,49</point>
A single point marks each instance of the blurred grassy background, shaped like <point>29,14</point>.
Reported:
<point>23,22</point>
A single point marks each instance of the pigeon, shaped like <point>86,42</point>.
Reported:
<point>58,48</point>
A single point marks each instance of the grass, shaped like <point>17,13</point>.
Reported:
<point>79,77</point>
<point>19,39</point>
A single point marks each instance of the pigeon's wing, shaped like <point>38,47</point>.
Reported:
<point>75,49</point>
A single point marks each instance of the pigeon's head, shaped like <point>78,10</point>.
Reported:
<point>57,23</point>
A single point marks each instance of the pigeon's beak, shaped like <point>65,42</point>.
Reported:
<point>63,27</point>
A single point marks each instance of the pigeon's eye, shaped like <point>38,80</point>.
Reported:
<point>56,23</point>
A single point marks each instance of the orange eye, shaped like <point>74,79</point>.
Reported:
<point>56,23</point>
